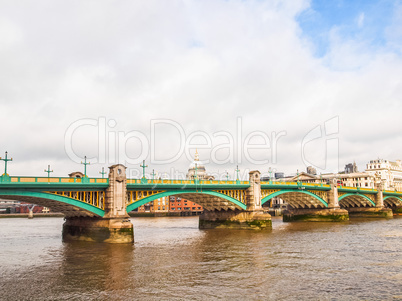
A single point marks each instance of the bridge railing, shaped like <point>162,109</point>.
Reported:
<point>294,184</point>
<point>393,192</point>
<point>65,180</point>
<point>357,188</point>
<point>184,182</point>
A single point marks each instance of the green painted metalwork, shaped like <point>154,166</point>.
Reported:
<point>153,197</point>
<point>356,194</point>
<point>393,196</point>
<point>48,171</point>
<point>55,184</point>
<point>237,170</point>
<point>295,186</point>
<point>103,172</point>
<point>143,168</point>
<point>277,193</point>
<point>6,160</point>
<point>270,175</point>
<point>196,174</point>
<point>357,190</point>
<point>85,166</point>
<point>55,197</point>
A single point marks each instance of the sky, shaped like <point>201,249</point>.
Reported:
<point>277,85</point>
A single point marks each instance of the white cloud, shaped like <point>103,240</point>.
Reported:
<point>360,20</point>
<point>199,63</point>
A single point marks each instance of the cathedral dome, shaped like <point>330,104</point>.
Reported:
<point>197,169</point>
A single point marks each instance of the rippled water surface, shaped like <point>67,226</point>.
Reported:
<point>173,259</point>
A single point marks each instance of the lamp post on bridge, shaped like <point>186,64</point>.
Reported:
<point>298,182</point>
<point>270,175</point>
<point>143,171</point>
<point>85,163</point>
<point>5,163</point>
<point>153,175</point>
<point>48,173</point>
<point>103,172</point>
<point>237,174</point>
<point>227,176</point>
<point>196,174</point>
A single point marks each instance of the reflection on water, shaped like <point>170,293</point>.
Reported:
<point>173,259</point>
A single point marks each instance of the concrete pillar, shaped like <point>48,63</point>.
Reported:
<point>114,226</point>
<point>116,193</point>
<point>254,217</point>
<point>30,213</point>
<point>332,196</point>
<point>379,197</point>
<point>253,194</point>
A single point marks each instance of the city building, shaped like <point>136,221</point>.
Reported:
<point>351,168</point>
<point>350,177</point>
<point>311,170</point>
<point>158,205</point>
<point>186,207</point>
<point>389,172</point>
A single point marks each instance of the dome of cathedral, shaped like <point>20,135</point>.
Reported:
<point>197,169</point>
<point>200,165</point>
<point>196,162</point>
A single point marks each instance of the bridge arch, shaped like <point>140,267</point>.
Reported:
<point>58,203</point>
<point>392,201</point>
<point>210,200</point>
<point>298,198</point>
<point>355,200</point>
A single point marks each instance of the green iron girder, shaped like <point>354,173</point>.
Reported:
<point>356,194</point>
<point>153,197</point>
<point>277,193</point>
<point>54,197</point>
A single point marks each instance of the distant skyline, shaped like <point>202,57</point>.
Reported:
<point>320,82</point>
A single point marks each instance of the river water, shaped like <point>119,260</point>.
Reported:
<point>172,259</point>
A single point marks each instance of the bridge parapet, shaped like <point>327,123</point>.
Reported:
<point>183,182</point>
<point>65,180</point>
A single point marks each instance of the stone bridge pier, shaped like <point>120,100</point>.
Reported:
<point>254,217</point>
<point>114,226</point>
<point>333,213</point>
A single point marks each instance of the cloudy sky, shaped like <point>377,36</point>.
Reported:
<point>280,84</point>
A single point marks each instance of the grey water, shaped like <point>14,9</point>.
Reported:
<point>172,259</point>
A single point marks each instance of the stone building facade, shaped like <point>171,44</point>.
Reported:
<point>389,172</point>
